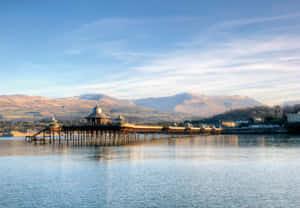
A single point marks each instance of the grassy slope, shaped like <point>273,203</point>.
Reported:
<point>21,107</point>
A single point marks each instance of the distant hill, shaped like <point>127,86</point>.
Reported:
<point>198,105</point>
<point>149,110</point>
<point>292,102</point>
<point>265,112</point>
<point>29,108</point>
<point>242,114</point>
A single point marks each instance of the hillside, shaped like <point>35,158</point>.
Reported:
<point>242,114</point>
<point>177,107</point>
<point>22,107</point>
<point>291,102</point>
<point>264,112</point>
<point>198,105</point>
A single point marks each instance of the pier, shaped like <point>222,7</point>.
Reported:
<point>111,135</point>
<point>100,131</point>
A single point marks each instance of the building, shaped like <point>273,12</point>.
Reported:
<point>174,124</point>
<point>54,124</point>
<point>258,120</point>
<point>278,112</point>
<point>119,120</point>
<point>228,124</point>
<point>97,117</point>
<point>240,123</point>
<point>188,125</point>
<point>293,117</point>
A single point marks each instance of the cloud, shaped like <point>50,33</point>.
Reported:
<point>120,37</point>
<point>242,22</point>
<point>262,63</point>
<point>124,21</point>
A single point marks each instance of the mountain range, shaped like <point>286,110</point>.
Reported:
<point>291,102</point>
<point>177,107</point>
<point>197,105</point>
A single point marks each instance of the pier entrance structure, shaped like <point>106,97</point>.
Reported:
<point>100,131</point>
<point>97,117</point>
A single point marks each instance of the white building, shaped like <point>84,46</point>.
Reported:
<point>242,122</point>
<point>293,117</point>
<point>119,120</point>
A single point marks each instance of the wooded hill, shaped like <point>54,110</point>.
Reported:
<point>265,112</point>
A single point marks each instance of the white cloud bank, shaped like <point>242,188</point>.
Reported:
<point>261,63</point>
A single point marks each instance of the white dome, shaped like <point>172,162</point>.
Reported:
<point>97,113</point>
<point>98,110</point>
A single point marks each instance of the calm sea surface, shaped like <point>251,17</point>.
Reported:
<point>205,171</point>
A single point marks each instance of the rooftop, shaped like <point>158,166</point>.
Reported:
<point>97,113</point>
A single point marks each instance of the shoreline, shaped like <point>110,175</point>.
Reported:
<point>14,134</point>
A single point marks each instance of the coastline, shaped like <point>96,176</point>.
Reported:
<point>14,134</point>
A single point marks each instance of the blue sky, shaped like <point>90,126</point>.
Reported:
<point>135,49</point>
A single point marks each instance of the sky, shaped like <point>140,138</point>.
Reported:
<point>153,48</point>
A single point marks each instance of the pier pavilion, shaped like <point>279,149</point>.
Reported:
<point>97,117</point>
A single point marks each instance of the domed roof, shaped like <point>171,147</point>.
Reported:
<point>188,125</point>
<point>97,113</point>
<point>98,109</point>
<point>120,117</point>
<point>54,123</point>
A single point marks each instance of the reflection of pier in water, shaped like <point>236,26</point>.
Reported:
<point>228,140</point>
<point>203,147</point>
